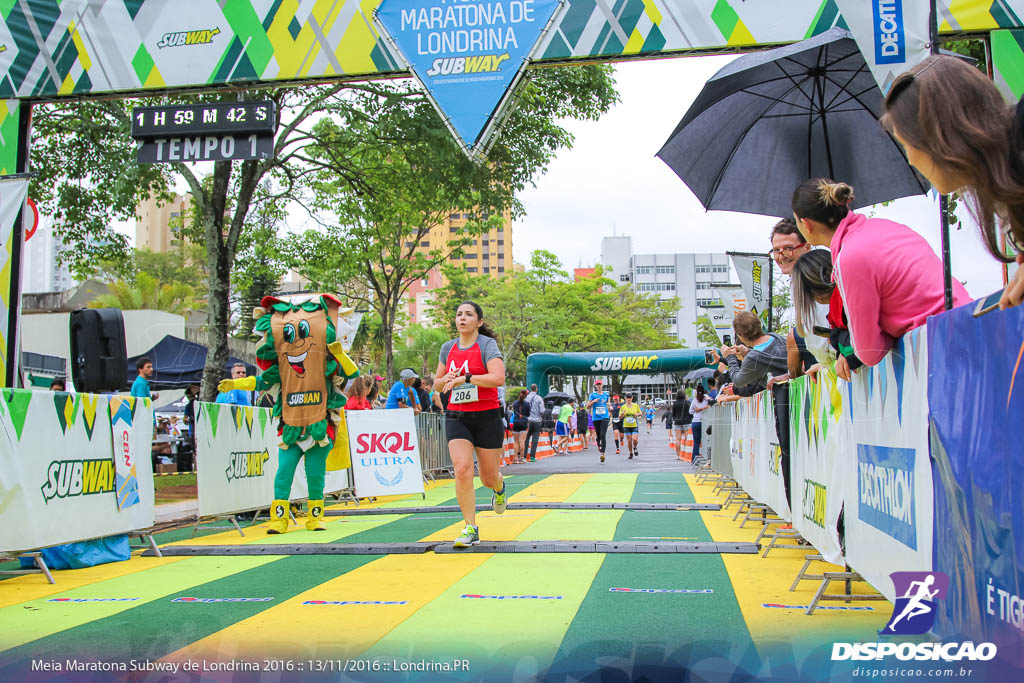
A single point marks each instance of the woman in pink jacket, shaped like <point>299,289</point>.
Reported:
<point>889,277</point>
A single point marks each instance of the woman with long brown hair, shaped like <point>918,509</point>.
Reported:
<point>961,134</point>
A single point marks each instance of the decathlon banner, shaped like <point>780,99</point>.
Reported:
<point>754,272</point>
<point>891,34</point>
<point>819,441</point>
<point>236,460</point>
<point>467,55</point>
<point>887,474</point>
<point>977,432</point>
<point>58,480</point>
<point>385,452</point>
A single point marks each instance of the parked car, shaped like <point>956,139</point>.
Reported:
<point>659,401</point>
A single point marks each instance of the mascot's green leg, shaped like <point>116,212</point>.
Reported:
<point>316,472</point>
<point>287,461</point>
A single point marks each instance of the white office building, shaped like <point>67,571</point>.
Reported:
<point>692,278</point>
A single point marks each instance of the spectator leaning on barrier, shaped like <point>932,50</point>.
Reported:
<point>960,133</point>
<point>399,395</point>
<point>788,245</point>
<point>889,278</point>
<point>237,397</point>
<point>762,355</point>
<point>812,286</point>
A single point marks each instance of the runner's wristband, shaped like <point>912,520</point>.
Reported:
<point>469,376</point>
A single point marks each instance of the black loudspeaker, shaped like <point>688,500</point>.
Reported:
<point>98,355</point>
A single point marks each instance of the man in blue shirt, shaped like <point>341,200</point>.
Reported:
<point>598,404</point>
<point>236,397</point>
<point>399,394</point>
<point>649,414</point>
<point>140,387</point>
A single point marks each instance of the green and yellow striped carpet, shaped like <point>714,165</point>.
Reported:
<point>500,616</point>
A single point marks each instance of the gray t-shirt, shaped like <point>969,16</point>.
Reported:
<point>488,350</point>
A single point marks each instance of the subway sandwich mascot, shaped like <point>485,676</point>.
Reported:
<point>300,353</point>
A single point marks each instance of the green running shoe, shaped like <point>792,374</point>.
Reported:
<point>498,501</point>
<point>469,536</point>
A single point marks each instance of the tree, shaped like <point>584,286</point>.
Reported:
<point>388,173</point>
<point>543,309</point>
<point>706,333</point>
<point>185,265</point>
<point>147,293</point>
<point>87,178</point>
<point>420,349</point>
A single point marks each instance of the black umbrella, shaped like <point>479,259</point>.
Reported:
<point>770,120</point>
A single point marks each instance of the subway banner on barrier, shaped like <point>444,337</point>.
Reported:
<point>237,457</point>
<point>59,482</point>
<point>887,475</point>
<point>754,272</point>
<point>468,56</point>
<point>385,452</point>
<point>891,34</point>
<point>977,432</point>
<point>819,434</point>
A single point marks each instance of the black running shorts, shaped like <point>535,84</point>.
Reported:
<point>483,429</point>
<point>630,430</point>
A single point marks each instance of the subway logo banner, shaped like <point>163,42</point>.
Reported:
<point>60,482</point>
<point>236,460</point>
<point>468,56</point>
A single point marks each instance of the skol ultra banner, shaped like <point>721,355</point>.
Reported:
<point>385,452</point>
<point>977,432</point>
<point>58,479</point>
<point>819,440</point>
<point>236,460</point>
<point>886,473</point>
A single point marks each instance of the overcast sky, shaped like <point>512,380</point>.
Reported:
<point>611,181</point>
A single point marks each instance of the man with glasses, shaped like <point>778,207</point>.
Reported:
<point>788,245</point>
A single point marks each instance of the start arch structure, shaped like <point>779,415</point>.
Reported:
<point>53,49</point>
<point>539,366</point>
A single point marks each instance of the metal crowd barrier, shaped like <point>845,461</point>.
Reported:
<point>433,442</point>
<point>720,421</point>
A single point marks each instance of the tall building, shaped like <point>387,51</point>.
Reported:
<point>487,254</point>
<point>692,278</point>
<point>158,228</point>
<point>42,272</point>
